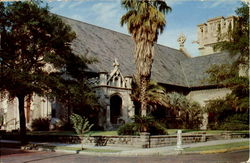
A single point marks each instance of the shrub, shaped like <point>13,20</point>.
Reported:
<point>40,124</point>
<point>133,129</point>
<point>233,126</point>
<point>192,116</point>
<point>143,123</point>
<point>157,129</point>
<point>80,124</point>
<point>235,122</point>
<point>127,129</point>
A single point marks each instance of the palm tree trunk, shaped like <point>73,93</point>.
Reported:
<point>144,61</point>
<point>143,100</point>
<point>22,117</point>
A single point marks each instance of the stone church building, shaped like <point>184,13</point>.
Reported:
<point>172,68</point>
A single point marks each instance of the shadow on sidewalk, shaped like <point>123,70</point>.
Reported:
<point>11,151</point>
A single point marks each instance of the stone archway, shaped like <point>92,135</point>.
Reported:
<point>115,108</point>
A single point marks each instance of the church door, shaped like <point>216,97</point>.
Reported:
<point>115,108</point>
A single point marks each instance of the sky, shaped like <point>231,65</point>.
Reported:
<point>184,18</point>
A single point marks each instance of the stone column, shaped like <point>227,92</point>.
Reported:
<point>144,139</point>
<point>108,117</point>
<point>204,122</point>
<point>203,137</point>
<point>179,141</point>
<point>103,78</point>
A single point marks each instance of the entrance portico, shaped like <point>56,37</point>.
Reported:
<point>114,94</point>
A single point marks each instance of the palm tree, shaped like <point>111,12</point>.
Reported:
<point>155,95</point>
<point>145,19</point>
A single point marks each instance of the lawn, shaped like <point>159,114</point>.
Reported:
<point>114,133</point>
<point>217,132</point>
<point>70,133</point>
<point>222,147</point>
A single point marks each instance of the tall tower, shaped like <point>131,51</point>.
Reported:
<point>208,32</point>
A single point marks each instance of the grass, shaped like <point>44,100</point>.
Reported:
<point>114,133</point>
<point>174,131</point>
<point>69,133</point>
<point>87,149</point>
<point>72,133</point>
<point>103,133</point>
<point>222,147</point>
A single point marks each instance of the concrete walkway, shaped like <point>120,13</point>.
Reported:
<point>128,151</point>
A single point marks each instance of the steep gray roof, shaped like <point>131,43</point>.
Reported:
<point>170,66</point>
<point>195,68</point>
<point>106,45</point>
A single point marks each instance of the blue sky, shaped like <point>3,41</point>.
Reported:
<point>184,18</point>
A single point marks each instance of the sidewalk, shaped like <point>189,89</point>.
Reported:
<point>123,151</point>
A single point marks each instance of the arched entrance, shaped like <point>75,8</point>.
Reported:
<point>115,108</point>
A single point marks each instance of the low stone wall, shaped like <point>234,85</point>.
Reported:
<point>168,140</point>
<point>142,141</point>
<point>129,141</point>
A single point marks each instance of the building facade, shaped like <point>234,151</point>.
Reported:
<point>208,33</point>
<point>172,68</point>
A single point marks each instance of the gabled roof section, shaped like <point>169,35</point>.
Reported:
<point>170,66</point>
<point>106,45</point>
<point>195,68</point>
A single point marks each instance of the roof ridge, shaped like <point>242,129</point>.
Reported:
<point>209,55</point>
<point>111,30</point>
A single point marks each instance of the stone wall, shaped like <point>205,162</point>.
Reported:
<point>142,141</point>
<point>167,140</point>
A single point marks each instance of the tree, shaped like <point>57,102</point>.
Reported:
<point>236,42</point>
<point>81,125</point>
<point>188,112</point>
<point>156,95</point>
<point>145,19</point>
<point>32,39</point>
<point>71,86</point>
<point>228,75</point>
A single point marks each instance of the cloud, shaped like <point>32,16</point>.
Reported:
<point>59,6</point>
<point>76,4</point>
<point>105,12</point>
<point>217,3</point>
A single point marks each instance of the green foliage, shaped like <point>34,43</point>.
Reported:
<point>30,36</point>
<point>155,96</point>
<point>36,57</point>
<point>127,129</point>
<point>146,17</point>
<point>227,75</point>
<point>80,124</point>
<point>157,129</point>
<point>192,116</point>
<point>224,112</point>
<point>142,124</point>
<point>223,115</point>
<point>189,114</point>
<point>144,20</point>
<point>40,124</point>
<point>236,122</point>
